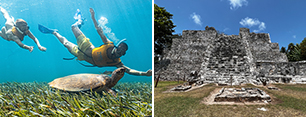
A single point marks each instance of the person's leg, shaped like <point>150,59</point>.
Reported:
<point>72,48</point>
<point>8,24</point>
<point>83,43</point>
<point>5,14</point>
<point>76,30</point>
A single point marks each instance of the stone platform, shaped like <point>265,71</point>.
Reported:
<point>242,95</point>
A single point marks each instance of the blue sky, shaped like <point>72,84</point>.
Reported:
<point>284,20</point>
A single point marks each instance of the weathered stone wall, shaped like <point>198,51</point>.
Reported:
<point>287,72</point>
<point>262,48</point>
<point>279,68</point>
<point>302,66</point>
<point>186,54</point>
<point>226,59</point>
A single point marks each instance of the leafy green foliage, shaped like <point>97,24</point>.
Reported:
<point>163,29</point>
<point>294,52</point>
<point>303,49</point>
<point>283,50</point>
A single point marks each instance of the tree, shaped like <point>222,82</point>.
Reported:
<point>293,52</point>
<point>290,48</point>
<point>283,50</point>
<point>163,29</point>
<point>303,49</point>
<point>296,53</point>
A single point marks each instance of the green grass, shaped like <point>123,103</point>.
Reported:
<point>172,104</point>
<point>294,88</point>
<point>291,102</point>
<point>164,84</point>
<point>285,102</point>
<point>36,99</point>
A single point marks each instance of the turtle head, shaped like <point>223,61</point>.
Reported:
<point>117,75</point>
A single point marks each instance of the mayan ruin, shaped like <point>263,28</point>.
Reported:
<point>228,59</point>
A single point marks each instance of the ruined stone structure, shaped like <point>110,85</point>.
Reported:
<point>242,95</point>
<point>228,59</point>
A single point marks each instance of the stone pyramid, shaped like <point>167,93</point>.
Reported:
<point>226,59</point>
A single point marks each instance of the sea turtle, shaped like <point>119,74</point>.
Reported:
<point>86,82</point>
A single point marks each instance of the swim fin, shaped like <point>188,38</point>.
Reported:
<point>46,30</point>
<point>79,18</point>
<point>78,15</point>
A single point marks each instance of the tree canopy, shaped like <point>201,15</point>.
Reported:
<point>303,49</point>
<point>295,52</point>
<point>163,29</point>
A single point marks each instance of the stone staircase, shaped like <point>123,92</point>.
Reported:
<point>228,60</point>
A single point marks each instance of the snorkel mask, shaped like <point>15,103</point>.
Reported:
<point>118,45</point>
<point>20,23</point>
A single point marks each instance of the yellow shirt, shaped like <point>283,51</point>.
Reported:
<point>17,33</point>
<point>99,56</point>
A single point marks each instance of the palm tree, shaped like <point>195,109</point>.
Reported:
<point>293,52</point>
<point>290,47</point>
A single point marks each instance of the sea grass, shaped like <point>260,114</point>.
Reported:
<point>38,99</point>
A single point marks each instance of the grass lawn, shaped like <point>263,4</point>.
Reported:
<point>289,101</point>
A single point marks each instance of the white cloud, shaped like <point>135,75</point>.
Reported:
<point>225,29</point>
<point>196,18</point>
<point>249,22</point>
<point>294,36</point>
<point>262,26</point>
<point>235,4</point>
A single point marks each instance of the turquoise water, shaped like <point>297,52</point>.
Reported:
<point>126,19</point>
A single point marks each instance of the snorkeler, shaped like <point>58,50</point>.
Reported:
<point>106,55</point>
<point>16,31</point>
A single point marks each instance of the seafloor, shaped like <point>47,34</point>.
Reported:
<point>37,99</point>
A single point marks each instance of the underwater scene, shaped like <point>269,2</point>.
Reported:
<point>76,58</point>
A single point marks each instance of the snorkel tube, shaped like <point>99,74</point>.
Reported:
<point>118,45</point>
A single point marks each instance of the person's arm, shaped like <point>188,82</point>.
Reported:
<point>99,29</point>
<point>30,48</point>
<point>36,41</point>
<point>135,72</point>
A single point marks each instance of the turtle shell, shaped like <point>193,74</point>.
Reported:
<point>80,82</point>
